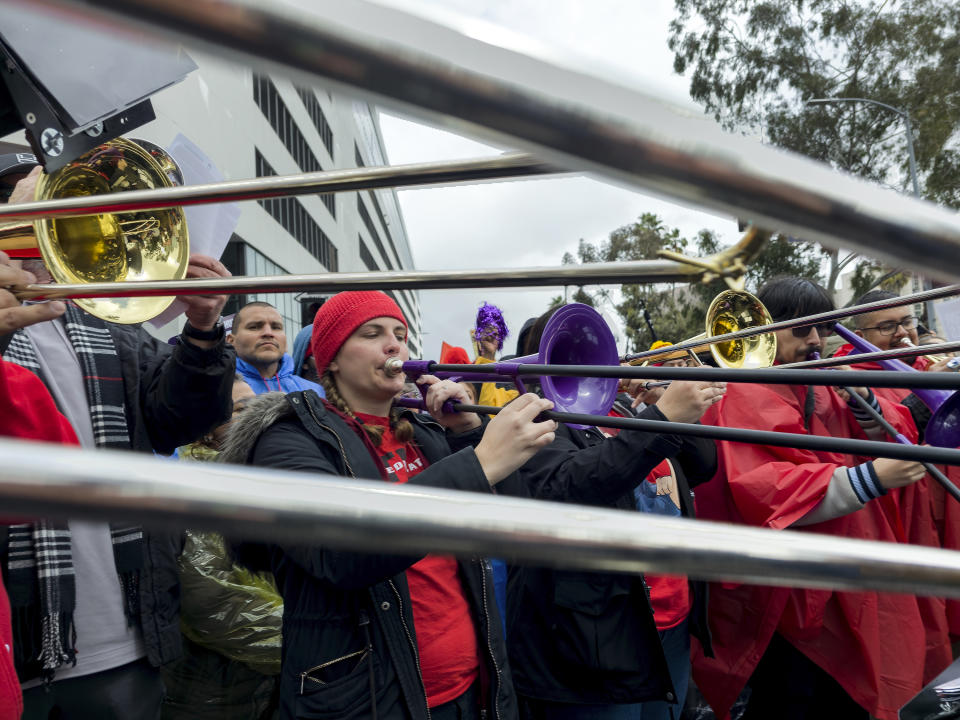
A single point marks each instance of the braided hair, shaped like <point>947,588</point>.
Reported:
<point>400,426</point>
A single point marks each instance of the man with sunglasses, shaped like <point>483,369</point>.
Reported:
<point>809,653</point>
<point>797,344</point>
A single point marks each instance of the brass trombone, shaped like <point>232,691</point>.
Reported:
<point>727,263</point>
<point>77,226</point>
<point>147,244</point>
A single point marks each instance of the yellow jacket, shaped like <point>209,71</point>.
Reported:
<point>490,394</point>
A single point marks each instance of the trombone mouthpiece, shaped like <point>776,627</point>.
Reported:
<point>393,366</point>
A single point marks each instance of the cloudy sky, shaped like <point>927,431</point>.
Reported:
<point>533,222</point>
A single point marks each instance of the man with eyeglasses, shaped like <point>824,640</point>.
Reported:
<point>810,653</point>
<point>930,517</point>
<point>891,328</point>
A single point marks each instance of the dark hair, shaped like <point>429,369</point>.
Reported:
<point>524,333</point>
<point>532,345</point>
<point>792,297</point>
<point>535,333</point>
<point>255,303</point>
<point>861,320</point>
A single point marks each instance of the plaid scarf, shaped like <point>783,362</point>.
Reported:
<point>42,586</point>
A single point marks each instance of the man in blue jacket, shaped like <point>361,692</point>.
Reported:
<point>260,341</point>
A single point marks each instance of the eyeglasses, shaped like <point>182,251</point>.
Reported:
<point>889,328</point>
<point>823,330</point>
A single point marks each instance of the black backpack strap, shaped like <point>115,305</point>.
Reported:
<point>808,407</point>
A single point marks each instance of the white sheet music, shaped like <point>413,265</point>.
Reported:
<point>210,226</point>
<point>948,313</point>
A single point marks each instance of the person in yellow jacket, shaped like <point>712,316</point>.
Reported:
<point>488,336</point>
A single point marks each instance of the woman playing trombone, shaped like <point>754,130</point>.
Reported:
<point>381,635</point>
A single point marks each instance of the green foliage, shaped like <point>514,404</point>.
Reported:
<point>677,311</point>
<point>755,64</point>
<point>870,275</point>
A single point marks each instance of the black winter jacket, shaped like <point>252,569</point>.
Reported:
<point>338,603</point>
<point>583,637</point>
<point>173,395</point>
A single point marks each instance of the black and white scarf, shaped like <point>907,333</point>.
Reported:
<point>42,586</point>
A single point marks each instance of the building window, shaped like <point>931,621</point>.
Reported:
<point>316,115</point>
<point>293,216</point>
<point>242,259</point>
<point>371,228</point>
<point>366,256</point>
<point>375,236</point>
<point>267,98</point>
<point>383,222</point>
<point>371,264</point>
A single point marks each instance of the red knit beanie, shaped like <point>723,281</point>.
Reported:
<point>339,316</point>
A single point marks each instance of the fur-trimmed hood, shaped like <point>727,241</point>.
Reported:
<point>260,413</point>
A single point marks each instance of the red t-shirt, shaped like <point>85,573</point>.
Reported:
<point>669,594</point>
<point>446,635</point>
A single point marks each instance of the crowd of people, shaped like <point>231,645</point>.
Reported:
<point>103,620</point>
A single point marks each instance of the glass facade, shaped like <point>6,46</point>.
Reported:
<point>242,259</point>
<point>293,216</point>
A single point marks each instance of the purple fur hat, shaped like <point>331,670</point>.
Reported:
<point>490,316</point>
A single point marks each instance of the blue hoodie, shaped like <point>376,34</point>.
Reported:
<point>300,345</point>
<point>283,381</point>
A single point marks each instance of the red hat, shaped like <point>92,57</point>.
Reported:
<point>453,355</point>
<point>339,316</point>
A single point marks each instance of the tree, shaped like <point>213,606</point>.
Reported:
<point>755,64</point>
<point>677,311</point>
<point>640,241</point>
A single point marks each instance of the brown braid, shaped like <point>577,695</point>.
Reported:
<point>401,427</point>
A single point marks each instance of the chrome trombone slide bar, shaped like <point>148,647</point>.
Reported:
<point>599,273</point>
<point>500,167</point>
<point>900,353</point>
<point>373,516</point>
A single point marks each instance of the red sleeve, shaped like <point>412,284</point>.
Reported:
<point>27,410</point>
<point>771,486</point>
<point>899,416</point>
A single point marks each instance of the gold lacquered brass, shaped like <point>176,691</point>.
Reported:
<point>142,245</point>
<point>734,310</point>
<point>730,311</point>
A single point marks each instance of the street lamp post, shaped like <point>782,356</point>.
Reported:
<point>912,159</point>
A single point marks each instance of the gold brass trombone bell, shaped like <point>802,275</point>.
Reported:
<point>730,311</point>
<point>143,245</point>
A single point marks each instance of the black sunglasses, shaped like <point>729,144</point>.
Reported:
<point>823,330</point>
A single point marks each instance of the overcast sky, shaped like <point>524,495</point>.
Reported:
<point>533,222</point>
